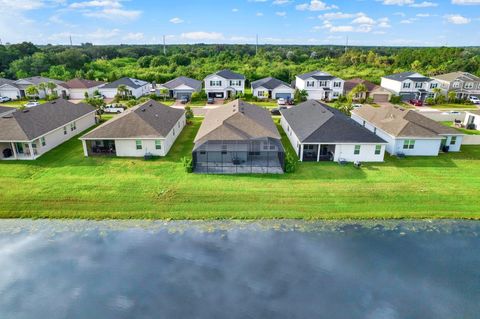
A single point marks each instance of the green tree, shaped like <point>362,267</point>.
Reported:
<point>96,103</point>
<point>43,87</point>
<point>188,113</point>
<point>452,97</point>
<point>300,96</point>
<point>360,89</point>
<point>123,91</point>
<point>52,86</point>
<point>31,91</point>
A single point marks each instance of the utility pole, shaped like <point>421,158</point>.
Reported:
<point>71,43</point>
<point>164,46</point>
<point>256,45</point>
<point>346,45</point>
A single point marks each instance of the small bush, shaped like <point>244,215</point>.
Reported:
<point>395,99</point>
<point>187,164</point>
<point>290,163</point>
<point>430,101</point>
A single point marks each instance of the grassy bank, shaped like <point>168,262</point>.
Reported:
<point>64,184</point>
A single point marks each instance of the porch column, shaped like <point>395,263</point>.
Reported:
<point>14,150</point>
<point>301,152</point>
<point>30,147</point>
<point>85,150</point>
<point>318,152</point>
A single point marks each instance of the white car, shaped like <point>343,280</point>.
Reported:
<point>31,104</point>
<point>4,99</point>
<point>114,108</point>
<point>356,105</point>
<point>474,100</point>
<point>281,101</point>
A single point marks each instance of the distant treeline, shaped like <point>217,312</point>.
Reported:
<point>148,62</point>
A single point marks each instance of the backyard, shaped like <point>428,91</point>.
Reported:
<point>64,184</point>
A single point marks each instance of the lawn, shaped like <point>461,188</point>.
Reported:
<point>19,103</point>
<point>461,130</point>
<point>64,184</point>
<point>452,106</point>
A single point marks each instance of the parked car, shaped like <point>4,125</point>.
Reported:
<point>4,99</point>
<point>31,104</point>
<point>416,102</point>
<point>99,96</point>
<point>210,100</point>
<point>184,99</point>
<point>474,100</point>
<point>356,105</point>
<point>277,110</point>
<point>114,109</point>
<point>281,101</point>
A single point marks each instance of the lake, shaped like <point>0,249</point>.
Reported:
<point>267,269</point>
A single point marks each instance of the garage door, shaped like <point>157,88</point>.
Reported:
<point>380,98</point>
<point>13,94</point>
<point>286,96</point>
<point>315,95</point>
<point>181,94</point>
<point>218,95</point>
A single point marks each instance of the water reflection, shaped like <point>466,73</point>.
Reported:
<point>288,269</point>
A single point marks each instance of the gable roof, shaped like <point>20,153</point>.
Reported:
<point>317,75</point>
<point>315,122</point>
<point>82,84</point>
<point>400,122</point>
<point>130,82</point>
<point>452,76</point>
<point>32,123</point>
<point>148,120</point>
<point>269,83</point>
<point>236,121</point>
<point>35,80</point>
<point>412,76</point>
<point>228,74</point>
<point>183,80</point>
<point>352,83</point>
<point>7,81</point>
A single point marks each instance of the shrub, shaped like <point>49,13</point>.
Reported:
<point>187,164</point>
<point>290,163</point>
<point>395,99</point>
<point>188,114</point>
<point>430,101</point>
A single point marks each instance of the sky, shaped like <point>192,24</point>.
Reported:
<point>364,22</point>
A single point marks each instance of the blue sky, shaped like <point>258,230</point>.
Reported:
<point>365,22</point>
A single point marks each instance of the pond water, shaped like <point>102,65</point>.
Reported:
<point>276,269</point>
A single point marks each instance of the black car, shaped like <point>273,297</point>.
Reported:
<point>210,100</point>
<point>277,110</point>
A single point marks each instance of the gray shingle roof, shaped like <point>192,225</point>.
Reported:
<point>82,84</point>
<point>35,80</point>
<point>407,75</point>
<point>236,121</point>
<point>229,75</point>
<point>148,120</point>
<point>7,81</point>
<point>318,75</point>
<point>130,82</point>
<point>269,83</point>
<point>183,80</point>
<point>314,122</point>
<point>34,122</point>
<point>463,76</point>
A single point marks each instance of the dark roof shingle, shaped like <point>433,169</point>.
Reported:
<point>269,83</point>
<point>133,83</point>
<point>183,80</point>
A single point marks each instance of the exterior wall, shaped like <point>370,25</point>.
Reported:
<point>367,153</point>
<point>476,119</point>
<point>454,147</point>
<point>291,135</point>
<point>224,86</point>
<point>79,94</point>
<point>10,91</point>
<point>471,140</point>
<point>274,92</point>
<point>317,92</point>
<point>139,92</point>
<point>391,85</point>
<point>109,93</point>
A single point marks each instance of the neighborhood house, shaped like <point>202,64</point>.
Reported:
<point>134,87</point>
<point>321,133</point>
<point>18,89</point>
<point>182,87</point>
<point>407,131</point>
<point>472,120</point>
<point>32,132</point>
<point>464,84</point>
<point>78,89</point>
<point>149,129</point>
<point>373,91</point>
<point>320,85</point>
<point>238,138</point>
<point>271,88</point>
<point>410,85</point>
<point>224,84</point>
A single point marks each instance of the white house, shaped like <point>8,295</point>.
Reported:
<point>271,88</point>
<point>135,88</point>
<point>408,132</point>
<point>410,85</point>
<point>224,84</point>
<point>182,87</point>
<point>318,132</point>
<point>320,85</point>
<point>17,89</point>
<point>9,89</point>
<point>472,120</point>
<point>28,134</point>
<point>464,84</point>
<point>77,88</point>
<point>150,128</point>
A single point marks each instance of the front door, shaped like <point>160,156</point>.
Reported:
<point>443,144</point>
<point>19,148</point>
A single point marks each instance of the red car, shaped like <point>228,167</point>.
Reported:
<point>416,102</point>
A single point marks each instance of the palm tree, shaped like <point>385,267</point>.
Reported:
<point>359,89</point>
<point>31,91</point>
<point>43,86</point>
<point>52,86</point>
<point>452,96</point>
<point>122,90</point>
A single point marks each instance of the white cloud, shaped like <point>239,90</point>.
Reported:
<point>105,9</point>
<point>363,19</point>
<point>336,15</point>
<point>114,14</point>
<point>423,15</point>
<point>23,5</point>
<point>424,4</point>
<point>131,36</point>
<point>281,14</point>
<point>280,2</point>
<point>315,5</point>
<point>457,19</point>
<point>176,20</point>
<point>201,35</point>
<point>96,4</point>
<point>407,21</point>
<point>466,2</point>
<point>400,14</point>
<point>397,2</point>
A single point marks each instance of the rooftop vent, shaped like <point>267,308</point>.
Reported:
<point>143,110</point>
<point>54,102</point>
<point>26,111</point>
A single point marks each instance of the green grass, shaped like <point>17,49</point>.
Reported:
<point>462,130</point>
<point>452,106</point>
<point>19,103</point>
<point>65,184</point>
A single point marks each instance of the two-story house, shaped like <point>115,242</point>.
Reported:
<point>224,84</point>
<point>410,85</point>
<point>320,85</point>
<point>463,84</point>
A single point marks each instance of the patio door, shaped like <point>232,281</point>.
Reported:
<point>19,148</point>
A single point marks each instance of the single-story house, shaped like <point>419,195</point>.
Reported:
<point>408,132</point>
<point>28,134</point>
<point>472,120</point>
<point>22,85</point>
<point>238,138</point>
<point>9,89</point>
<point>376,92</point>
<point>149,129</point>
<point>224,84</point>
<point>135,88</point>
<point>321,133</point>
<point>182,87</point>
<point>271,88</point>
<point>78,87</point>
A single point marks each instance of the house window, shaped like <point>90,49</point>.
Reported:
<point>64,130</point>
<point>272,147</point>
<point>433,85</point>
<point>224,152</point>
<point>364,123</point>
<point>203,152</point>
<point>215,83</point>
<point>418,85</point>
<point>335,94</point>
<point>236,83</point>
<point>357,150</point>
<point>375,130</point>
<point>408,144</point>
<point>309,147</point>
<point>469,85</point>
<point>254,153</point>
<point>322,84</point>
<point>42,141</point>
<point>138,144</point>
<point>260,93</point>
<point>337,84</point>
<point>310,84</point>
<point>173,132</point>
<point>178,124</point>
<point>378,149</point>
<point>456,85</point>
<point>73,126</point>
<point>453,140</point>
<point>158,144</point>
<point>431,95</point>
<point>406,85</point>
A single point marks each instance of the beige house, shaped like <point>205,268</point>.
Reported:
<point>376,92</point>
